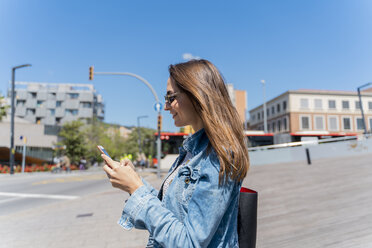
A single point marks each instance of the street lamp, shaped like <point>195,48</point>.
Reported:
<point>361,105</point>
<point>12,151</point>
<point>139,132</point>
<point>264,105</point>
<point>157,106</point>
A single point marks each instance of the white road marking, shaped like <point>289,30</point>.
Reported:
<point>7,200</point>
<point>21,195</point>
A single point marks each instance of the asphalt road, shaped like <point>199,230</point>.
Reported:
<point>25,191</point>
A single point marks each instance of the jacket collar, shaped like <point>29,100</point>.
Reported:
<point>195,143</point>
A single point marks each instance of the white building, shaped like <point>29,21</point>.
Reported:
<point>55,104</point>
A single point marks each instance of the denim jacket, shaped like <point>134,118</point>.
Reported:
<point>196,211</point>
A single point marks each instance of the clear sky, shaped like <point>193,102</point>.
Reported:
<point>311,44</point>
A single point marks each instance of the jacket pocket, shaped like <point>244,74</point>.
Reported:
<point>188,179</point>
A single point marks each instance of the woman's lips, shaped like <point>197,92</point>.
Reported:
<point>174,115</point>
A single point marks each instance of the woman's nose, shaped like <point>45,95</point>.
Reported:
<point>167,106</point>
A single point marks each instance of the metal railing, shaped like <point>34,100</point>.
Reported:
<point>309,142</point>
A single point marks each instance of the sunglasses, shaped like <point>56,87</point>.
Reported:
<point>169,98</point>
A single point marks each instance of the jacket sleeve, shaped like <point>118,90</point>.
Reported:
<point>206,208</point>
<point>126,221</point>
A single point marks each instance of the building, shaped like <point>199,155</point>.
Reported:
<point>239,100</point>
<point>40,140</point>
<point>55,104</point>
<point>315,112</point>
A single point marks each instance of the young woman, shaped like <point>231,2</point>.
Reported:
<point>197,205</point>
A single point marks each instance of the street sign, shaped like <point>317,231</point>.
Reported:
<point>158,106</point>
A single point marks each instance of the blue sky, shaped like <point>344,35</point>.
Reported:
<point>317,44</point>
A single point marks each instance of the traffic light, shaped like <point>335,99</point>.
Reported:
<point>159,122</point>
<point>91,72</point>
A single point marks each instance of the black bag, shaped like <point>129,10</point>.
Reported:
<point>247,218</point>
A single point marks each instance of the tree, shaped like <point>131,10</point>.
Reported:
<point>147,141</point>
<point>74,140</point>
<point>94,133</point>
<point>3,108</point>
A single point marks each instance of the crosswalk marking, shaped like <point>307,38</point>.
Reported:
<point>46,196</point>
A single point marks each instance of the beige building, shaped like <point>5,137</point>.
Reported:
<point>323,112</point>
<point>239,99</point>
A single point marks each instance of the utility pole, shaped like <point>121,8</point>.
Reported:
<point>12,150</point>
<point>264,105</point>
<point>139,132</point>
<point>361,105</point>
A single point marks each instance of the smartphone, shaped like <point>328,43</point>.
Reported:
<point>102,150</point>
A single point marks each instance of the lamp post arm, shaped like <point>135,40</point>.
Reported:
<point>132,75</point>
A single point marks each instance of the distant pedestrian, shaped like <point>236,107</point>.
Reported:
<point>65,161</point>
<point>83,163</point>
<point>197,205</point>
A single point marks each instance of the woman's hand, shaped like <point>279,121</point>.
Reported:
<point>122,175</point>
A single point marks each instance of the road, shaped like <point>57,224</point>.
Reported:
<point>24,191</point>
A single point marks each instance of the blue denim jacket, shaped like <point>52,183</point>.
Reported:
<point>196,211</point>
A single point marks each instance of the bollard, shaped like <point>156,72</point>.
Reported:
<point>308,156</point>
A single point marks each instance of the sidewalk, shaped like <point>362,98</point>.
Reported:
<point>325,204</point>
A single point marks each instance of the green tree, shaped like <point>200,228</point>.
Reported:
<point>3,108</point>
<point>94,133</point>
<point>74,139</point>
<point>147,141</point>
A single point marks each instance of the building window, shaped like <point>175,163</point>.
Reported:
<point>258,116</point>
<point>304,103</point>
<point>284,105</point>
<point>58,104</point>
<point>272,110</point>
<point>370,105</point>
<point>73,95</point>
<point>357,105</point>
<point>279,125</point>
<point>319,122</point>
<point>32,95</point>
<point>370,124</point>
<point>71,111</point>
<point>52,96</point>
<point>52,112</point>
<point>267,112</point>
<point>274,127</point>
<point>346,121</point>
<point>359,123</point>
<point>21,103</point>
<point>332,104</point>
<point>58,120</point>
<point>268,127</point>
<point>285,124</point>
<point>333,123</point>
<point>38,120</point>
<point>318,103</point>
<point>278,108</point>
<point>30,111</point>
<point>345,105</point>
<point>86,104</point>
<point>39,103</point>
<point>305,122</point>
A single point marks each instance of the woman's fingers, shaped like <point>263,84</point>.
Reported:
<point>126,162</point>
<point>108,170</point>
<point>113,164</point>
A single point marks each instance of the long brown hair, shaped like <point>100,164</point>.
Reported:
<point>205,86</point>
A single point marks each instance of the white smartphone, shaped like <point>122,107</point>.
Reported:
<point>102,150</point>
